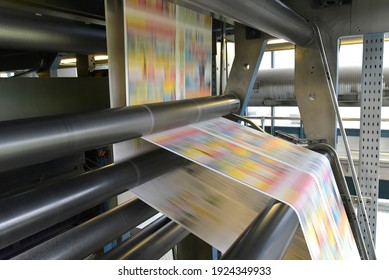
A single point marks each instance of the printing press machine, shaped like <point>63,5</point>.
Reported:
<point>59,170</point>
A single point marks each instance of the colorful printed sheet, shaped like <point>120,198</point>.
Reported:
<point>168,52</point>
<point>212,206</point>
<point>268,165</point>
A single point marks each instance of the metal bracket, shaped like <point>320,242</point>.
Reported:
<point>290,138</point>
<point>252,33</point>
<point>355,200</point>
<point>312,93</point>
<point>248,56</point>
<point>317,141</point>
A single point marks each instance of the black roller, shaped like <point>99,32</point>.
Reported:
<point>158,244</point>
<point>28,141</point>
<point>87,238</point>
<point>30,212</point>
<point>120,250</point>
<point>268,237</point>
<point>41,33</point>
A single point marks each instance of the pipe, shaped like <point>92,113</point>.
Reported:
<point>158,244</point>
<point>30,212</point>
<point>270,16</point>
<point>124,247</point>
<point>28,141</point>
<point>85,239</point>
<point>40,33</point>
<point>268,237</point>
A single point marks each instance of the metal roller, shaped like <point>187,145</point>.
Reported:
<point>31,32</point>
<point>30,212</point>
<point>29,141</point>
<point>85,239</point>
<point>158,244</point>
<point>270,16</point>
<point>120,250</point>
<point>268,237</point>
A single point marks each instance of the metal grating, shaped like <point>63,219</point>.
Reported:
<point>370,127</point>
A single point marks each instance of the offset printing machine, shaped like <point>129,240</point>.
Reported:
<point>52,208</point>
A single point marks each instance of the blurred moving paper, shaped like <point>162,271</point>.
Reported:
<point>168,56</point>
<point>214,207</point>
<point>262,163</point>
<point>168,52</point>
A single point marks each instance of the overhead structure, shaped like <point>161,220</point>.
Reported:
<point>270,16</point>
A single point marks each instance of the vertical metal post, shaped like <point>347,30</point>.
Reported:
<point>54,66</point>
<point>272,113</point>
<point>226,51</point>
<point>82,65</point>
<point>214,53</point>
<point>312,94</point>
<point>301,130</point>
<point>114,17</point>
<point>222,34</point>
<point>114,14</point>
<point>370,126</point>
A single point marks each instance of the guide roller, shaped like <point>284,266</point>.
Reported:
<point>269,235</point>
<point>28,141</point>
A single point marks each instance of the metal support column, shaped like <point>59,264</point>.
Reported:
<point>114,10</point>
<point>370,126</point>
<point>221,63</point>
<point>312,94</point>
<point>250,46</point>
